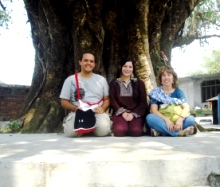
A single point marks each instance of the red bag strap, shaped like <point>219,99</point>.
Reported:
<point>90,104</point>
<point>77,86</point>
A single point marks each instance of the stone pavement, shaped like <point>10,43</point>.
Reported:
<point>53,160</point>
<point>211,126</point>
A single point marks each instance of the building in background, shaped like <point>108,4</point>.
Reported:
<point>199,88</point>
<point>12,99</point>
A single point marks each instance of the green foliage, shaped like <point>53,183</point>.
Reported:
<point>197,72</point>
<point>201,112</point>
<point>13,127</point>
<point>205,16</point>
<point>4,18</point>
<point>211,64</point>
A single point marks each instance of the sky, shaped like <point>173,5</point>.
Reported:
<point>191,58</point>
<point>16,48</point>
<point>17,52</point>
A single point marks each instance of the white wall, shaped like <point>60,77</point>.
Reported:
<point>187,88</point>
<point>191,86</point>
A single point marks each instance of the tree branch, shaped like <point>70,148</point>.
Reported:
<point>3,7</point>
<point>210,22</point>
<point>189,39</point>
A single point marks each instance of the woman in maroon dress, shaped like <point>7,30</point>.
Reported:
<point>128,100</point>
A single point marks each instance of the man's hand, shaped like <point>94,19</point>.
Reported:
<point>99,110</point>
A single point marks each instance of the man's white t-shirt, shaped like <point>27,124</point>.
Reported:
<point>92,89</point>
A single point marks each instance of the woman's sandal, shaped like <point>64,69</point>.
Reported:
<point>155,133</point>
<point>192,130</point>
<point>184,132</point>
<point>188,131</point>
<point>195,129</point>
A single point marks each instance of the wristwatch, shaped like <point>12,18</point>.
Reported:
<point>182,117</point>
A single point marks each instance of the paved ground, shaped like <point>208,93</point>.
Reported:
<point>210,126</point>
<point>52,160</point>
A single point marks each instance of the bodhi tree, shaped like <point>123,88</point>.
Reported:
<point>63,29</point>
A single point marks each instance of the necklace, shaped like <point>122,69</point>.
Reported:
<point>124,80</point>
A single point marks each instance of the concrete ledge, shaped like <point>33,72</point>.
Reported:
<point>205,120</point>
<point>52,160</point>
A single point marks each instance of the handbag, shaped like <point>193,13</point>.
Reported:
<point>171,111</point>
<point>85,119</point>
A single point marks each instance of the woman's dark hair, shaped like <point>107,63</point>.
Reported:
<point>122,63</point>
<point>170,70</point>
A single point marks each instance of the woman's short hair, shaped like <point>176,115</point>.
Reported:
<point>86,52</point>
<point>170,70</point>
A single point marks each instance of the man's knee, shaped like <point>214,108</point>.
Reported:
<point>70,133</point>
<point>103,129</point>
<point>103,126</point>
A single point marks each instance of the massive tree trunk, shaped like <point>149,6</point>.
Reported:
<point>62,29</point>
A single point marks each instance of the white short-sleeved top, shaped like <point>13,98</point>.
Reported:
<point>92,89</point>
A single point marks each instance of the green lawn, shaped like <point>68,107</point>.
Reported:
<point>201,112</point>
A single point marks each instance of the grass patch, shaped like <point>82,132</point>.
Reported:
<point>12,127</point>
<point>201,112</point>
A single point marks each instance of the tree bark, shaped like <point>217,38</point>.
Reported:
<point>63,29</point>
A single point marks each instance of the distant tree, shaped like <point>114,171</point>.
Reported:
<point>212,63</point>
<point>4,15</point>
<point>196,72</point>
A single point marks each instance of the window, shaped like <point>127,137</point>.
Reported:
<point>210,89</point>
